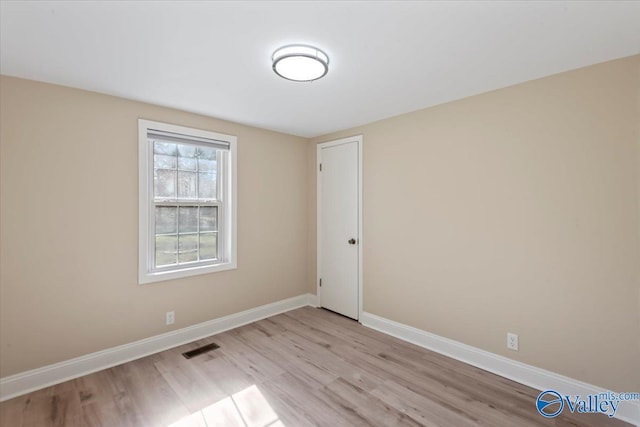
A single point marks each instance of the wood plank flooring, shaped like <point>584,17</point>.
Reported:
<point>307,367</point>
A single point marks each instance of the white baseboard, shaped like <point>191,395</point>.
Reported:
<point>522,373</point>
<point>25,382</point>
<point>312,300</point>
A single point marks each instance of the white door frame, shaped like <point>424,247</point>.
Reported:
<point>358,140</point>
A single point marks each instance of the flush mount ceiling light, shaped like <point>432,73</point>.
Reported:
<point>300,63</point>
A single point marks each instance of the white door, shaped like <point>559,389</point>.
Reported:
<point>339,226</point>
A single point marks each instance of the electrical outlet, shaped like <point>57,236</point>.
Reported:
<point>171,317</point>
<point>512,341</point>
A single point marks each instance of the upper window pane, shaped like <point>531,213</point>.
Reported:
<point>207,159</point>
<point>186,185</point>
<point>187,159</point>
<point>184,172</point>
<point>167,148</point>
<point>207,185</point>
<point>164,162</point>
<point>164,184</point>
<point>205,165</point>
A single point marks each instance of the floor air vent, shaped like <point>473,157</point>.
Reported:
<point>200,350</point>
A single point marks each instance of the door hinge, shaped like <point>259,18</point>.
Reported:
<point>320,167</point>
<point>320,282</point>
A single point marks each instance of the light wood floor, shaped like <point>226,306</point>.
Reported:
<point>302,368</point>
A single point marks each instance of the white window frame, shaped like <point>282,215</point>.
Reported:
<point>146,222</point>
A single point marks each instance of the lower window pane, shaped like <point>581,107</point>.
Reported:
<point>208,246</point>
<point>188,248</point>
<point>188,219</point>
<point>165,219</point>
<point>166,250</point>
<point>209,218</point>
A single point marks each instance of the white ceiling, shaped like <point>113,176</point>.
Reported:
<point>387,58</point>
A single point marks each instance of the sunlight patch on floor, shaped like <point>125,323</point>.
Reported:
<point>247,408</point>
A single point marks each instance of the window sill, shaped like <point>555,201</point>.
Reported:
<point>145,278</point>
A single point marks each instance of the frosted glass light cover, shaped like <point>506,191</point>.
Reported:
<point>300,63</point>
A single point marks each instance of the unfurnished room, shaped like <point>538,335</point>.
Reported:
<point>319,213</point>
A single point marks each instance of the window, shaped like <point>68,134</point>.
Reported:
<point>187,207</point>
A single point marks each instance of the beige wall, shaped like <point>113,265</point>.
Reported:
<point>515,210</point>
<point>69,224</point>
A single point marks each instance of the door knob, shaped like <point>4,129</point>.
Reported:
<point>352,241</point>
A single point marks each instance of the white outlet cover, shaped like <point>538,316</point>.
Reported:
<point>170,317</point>
<point>512,341</point>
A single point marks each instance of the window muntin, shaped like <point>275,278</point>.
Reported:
<point>191,204</point>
